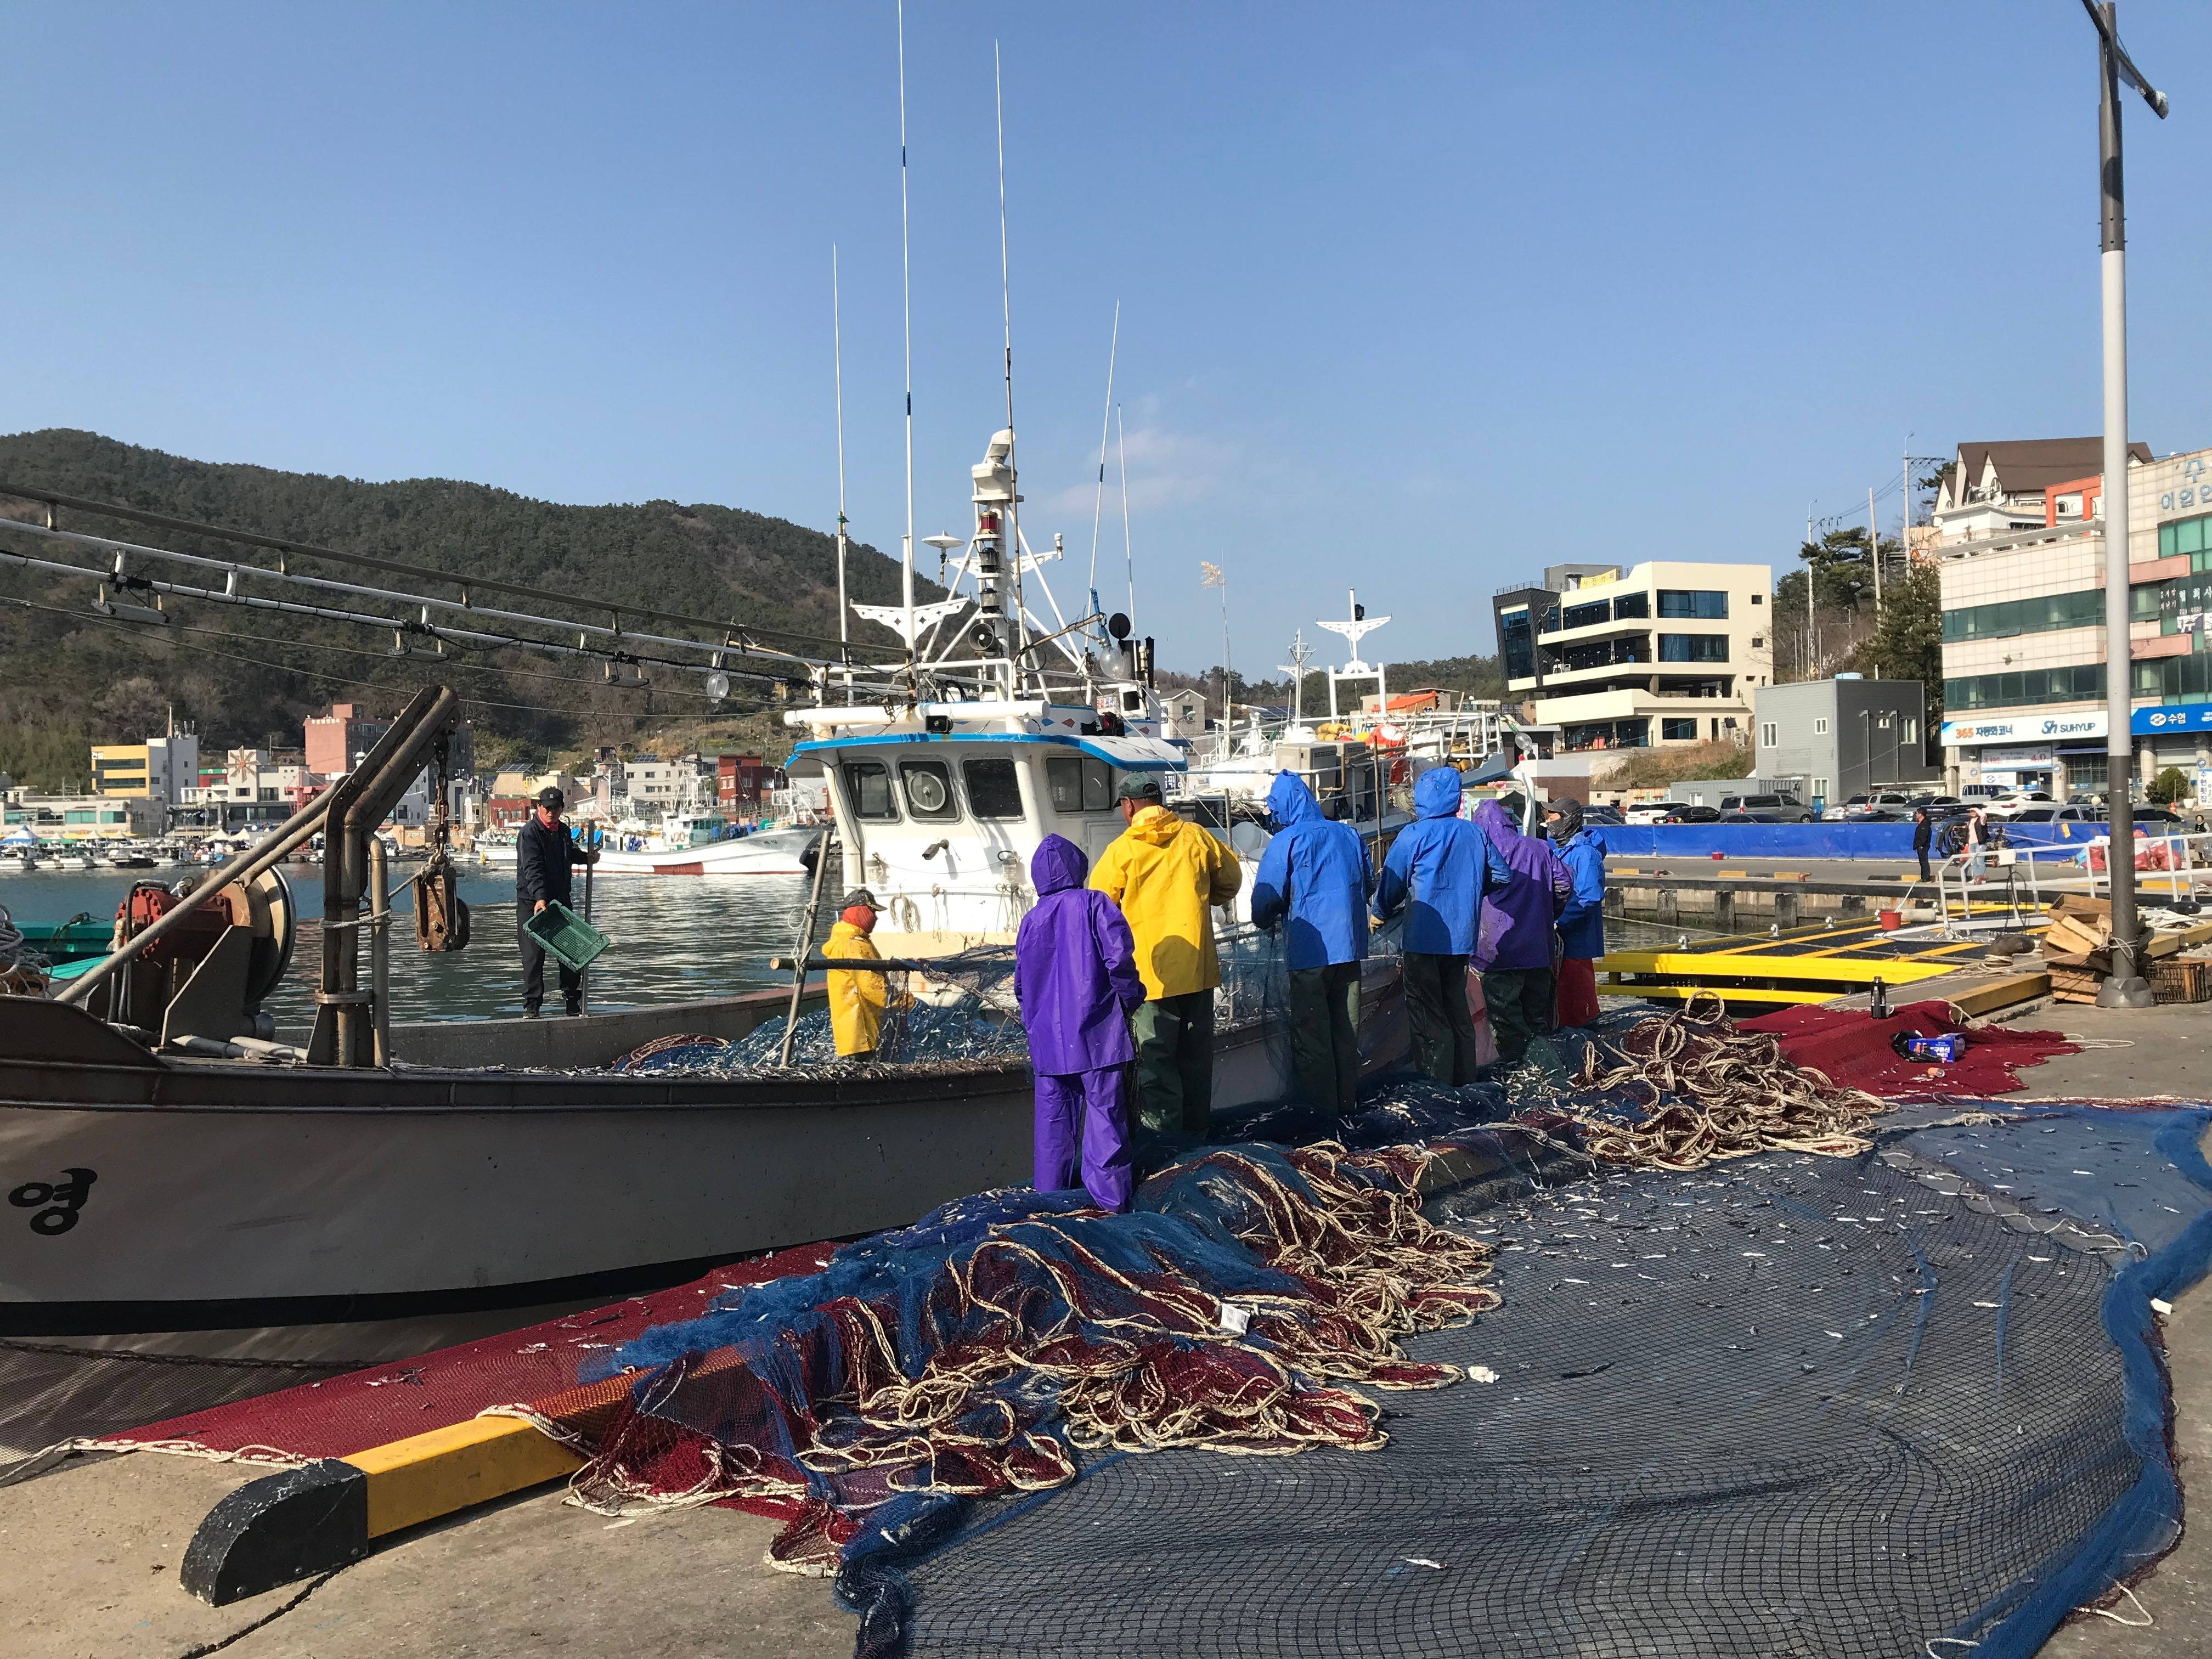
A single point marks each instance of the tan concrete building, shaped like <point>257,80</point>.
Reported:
<point>1661,653</point>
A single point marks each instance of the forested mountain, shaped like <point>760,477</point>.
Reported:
<point>70,677</point>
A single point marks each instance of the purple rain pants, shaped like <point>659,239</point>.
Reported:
<point>1083,1110</point>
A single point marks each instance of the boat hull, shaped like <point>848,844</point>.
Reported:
<point>297,1211</point>
<point>778,853</point>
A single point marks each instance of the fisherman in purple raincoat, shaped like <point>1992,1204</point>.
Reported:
<point>1513,950</point>
<point>1075,973</point>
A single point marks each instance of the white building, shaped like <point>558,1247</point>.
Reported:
<point>2024,623</point>
<point>1659,654</point>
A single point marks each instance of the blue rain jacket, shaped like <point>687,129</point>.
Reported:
<point>1582,922</point>
<point>1075,967</point>
<point>1315,873</point>
<point>1439,868</point>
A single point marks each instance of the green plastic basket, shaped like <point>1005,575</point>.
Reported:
<point>566,936</point>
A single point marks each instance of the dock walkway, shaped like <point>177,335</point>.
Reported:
<point>95,1546</point>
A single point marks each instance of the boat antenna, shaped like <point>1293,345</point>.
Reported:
<point>1006,300</point>
<point>1105,426</point>
<point>837,359</point>
<point>1122,448</point>
<point>906,294</point>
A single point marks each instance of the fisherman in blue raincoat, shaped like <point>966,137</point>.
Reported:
<point>1439,868</point>
<point>1075,976</point>
<point>1314,878</point>
<point>1581,923</point>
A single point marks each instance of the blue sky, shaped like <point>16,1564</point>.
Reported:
<point>1420,298</point>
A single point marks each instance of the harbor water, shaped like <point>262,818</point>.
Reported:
<point>675,938</point>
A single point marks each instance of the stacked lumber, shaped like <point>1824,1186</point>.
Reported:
<point>2077,951</point>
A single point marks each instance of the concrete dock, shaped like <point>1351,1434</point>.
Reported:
<point>94,1545</point>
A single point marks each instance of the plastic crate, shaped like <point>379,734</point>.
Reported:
<point>2182,979</point>
<point>566,936</point>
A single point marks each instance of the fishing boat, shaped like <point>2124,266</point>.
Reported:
<point>689,845</point>
<point>183,1177</point>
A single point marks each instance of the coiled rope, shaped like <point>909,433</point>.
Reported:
<point>1707,1091</point>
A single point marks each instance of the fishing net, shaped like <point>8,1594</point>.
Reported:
<point>1243,1306</point>
<point>1781,1405</point>
<point>964,1009</point>
<point>1756,1386</point>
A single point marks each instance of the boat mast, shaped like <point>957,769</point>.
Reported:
<point>837,358</point>
<point>906,292</point>
<point>1105,430</point>
<point>1006,301</point>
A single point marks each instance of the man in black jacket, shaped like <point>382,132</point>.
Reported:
<point>1923,831</point>
<point>542,855</point>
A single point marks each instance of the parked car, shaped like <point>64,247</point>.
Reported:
<point>1884,804</point>
<point>1767,809</point>
<point>1693,815</point>
<point>1654,811</point>
<point>2069,814</point>
<point>2018,800</point>
<point>1603,817</point>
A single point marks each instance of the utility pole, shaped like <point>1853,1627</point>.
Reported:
<point>1812,664</point>
<point>1874,552</point>
<point>2125,988</point>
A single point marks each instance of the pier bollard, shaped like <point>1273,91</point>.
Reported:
<point>1616,901</point>
<point>1724,911</point>
<point>1786,910</point>
<point>1670,907</point>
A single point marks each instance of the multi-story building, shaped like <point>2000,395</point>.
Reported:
<point>2024,620</point>
<point>160,769</point>
<point>1845,737</point>
<point>741,782</point>
<point>336,740</point>
<point>1659,654</point>
<point>84,817</point>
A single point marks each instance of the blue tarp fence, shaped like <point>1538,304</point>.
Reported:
<point>1807,841</point>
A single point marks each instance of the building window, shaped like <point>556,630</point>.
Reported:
<point>2167,676</point>
<point>1908,730</point>
<point>1606,734</point>
<point>1685,602</point>
<point>1821,726</point>
<point>2009,617</point>
<point>1769,737</point>
<point>2185,536</point>
<point>1586,616</point>
<point>1632,607</point>
<point>1758,598</point>
<point>1692,647</point>
<point>1819,788</point>
<point>1514,640</point>
<point>1679,731</point>
<point>2079,683</point>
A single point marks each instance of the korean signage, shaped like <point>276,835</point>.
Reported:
<point>2190,717</point>
<point>2024,728</point>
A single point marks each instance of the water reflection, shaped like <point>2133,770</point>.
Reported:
<point>675,938</point>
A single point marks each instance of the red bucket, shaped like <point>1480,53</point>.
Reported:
<point>1891,920</point>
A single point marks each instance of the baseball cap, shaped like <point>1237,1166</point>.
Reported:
<point>1139,786</point>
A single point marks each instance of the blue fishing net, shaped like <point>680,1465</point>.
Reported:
<point>1784,1404</point>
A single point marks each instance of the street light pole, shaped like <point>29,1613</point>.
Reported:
<point>2125,988</point>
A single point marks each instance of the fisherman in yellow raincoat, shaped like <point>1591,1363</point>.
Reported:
<point>1166,875</point>
<point>856,1000</point>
